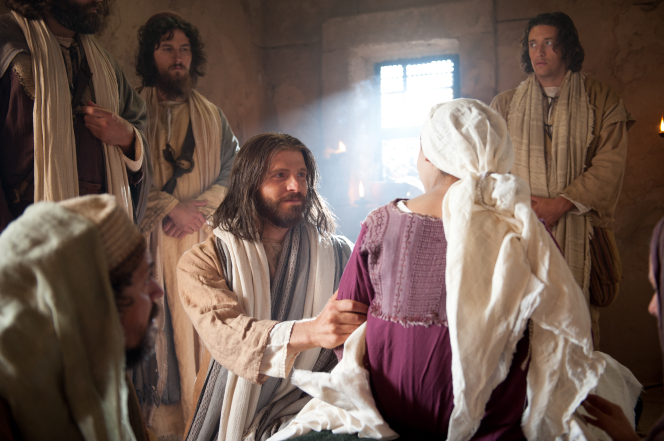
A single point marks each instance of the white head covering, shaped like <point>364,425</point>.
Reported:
<point>503,269</point>
<point>465,137</point>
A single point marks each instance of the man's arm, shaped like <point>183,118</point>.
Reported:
<point>187,217</point>
<point>599,186</point>
<point>234,339</point>
<point>228,150</point>
<point>133,110</point>
<point>331,328</point>
<point>237,341</point>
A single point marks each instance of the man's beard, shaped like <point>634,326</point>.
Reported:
<point>135,356</point>
<point>282,218</point>
<point>174,86</point>
<point>79,18</point>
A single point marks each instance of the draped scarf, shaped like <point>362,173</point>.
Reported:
<point>503,269</point>
<point>571,137</point>
<point>308,272</point>
<point>56,175</point>
<point>205,122</point>
<point>206,126</point>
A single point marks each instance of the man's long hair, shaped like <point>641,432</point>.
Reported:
<point>567,43</point>
<point>239,213</point>
<point>30,9</point>
<point>160,27</point>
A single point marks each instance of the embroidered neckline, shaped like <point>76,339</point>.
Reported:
<point>394,205</point>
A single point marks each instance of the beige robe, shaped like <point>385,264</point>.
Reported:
<point>212,161</point>
<point>598,187</point>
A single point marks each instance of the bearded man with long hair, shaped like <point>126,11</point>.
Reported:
<point>259,292</point>
<point>70,123</point>
<point>194,147</point>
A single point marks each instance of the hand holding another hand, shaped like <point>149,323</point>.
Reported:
<point>186,217</point>
<point>551,210</point>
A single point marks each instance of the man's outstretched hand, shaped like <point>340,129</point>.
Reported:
<point>110,128</point>
<point>610,418</point>
<point>331,328</point>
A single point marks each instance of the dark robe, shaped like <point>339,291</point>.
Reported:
<point>657,261</point>
<point>17,129</point>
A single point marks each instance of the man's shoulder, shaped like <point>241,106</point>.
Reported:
<point>12,41</point>
<point>342,241</point>
<point>501,103</point>
<point>598,91</point>
<point>200,256</point>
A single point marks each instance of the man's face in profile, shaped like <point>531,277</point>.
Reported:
<point>81,16</point>
<point>139,311</point>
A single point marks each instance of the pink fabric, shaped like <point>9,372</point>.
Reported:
<point>397,268</point>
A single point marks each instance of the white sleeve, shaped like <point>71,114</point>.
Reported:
<point>135,165</point>
<point>276,362</point>
<point>580,208</point>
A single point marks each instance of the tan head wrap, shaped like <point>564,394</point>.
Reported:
<point>121,239</point>
<point>61,342</point>
<point>503,269</point>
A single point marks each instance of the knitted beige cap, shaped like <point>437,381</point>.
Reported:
<point>121,239</point>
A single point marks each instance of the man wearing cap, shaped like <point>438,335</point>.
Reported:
<point>70,122</point>
<point>570,144</point>
<point>272,262</point>
<point>193,148</point>
<point>77,299</point>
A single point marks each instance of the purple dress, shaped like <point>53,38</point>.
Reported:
<point>398,269</point>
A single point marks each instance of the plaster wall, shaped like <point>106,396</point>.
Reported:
<point>231,32</point>
<point>314,53</point>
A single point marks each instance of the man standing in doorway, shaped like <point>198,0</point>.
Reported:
<point>570,143</point>
<point>70,122</point>
<point>194,147</point>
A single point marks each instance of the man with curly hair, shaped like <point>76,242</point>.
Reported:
<point>570,142</point>
<point>70,123</point>
<point>193,148</point>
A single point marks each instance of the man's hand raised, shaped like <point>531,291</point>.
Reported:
<point>331,328</point>
<point>186,217</point>
<point>110,128</point>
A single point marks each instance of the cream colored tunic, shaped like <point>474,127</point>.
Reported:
<point>598,188</point>
<point>189,187</point>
